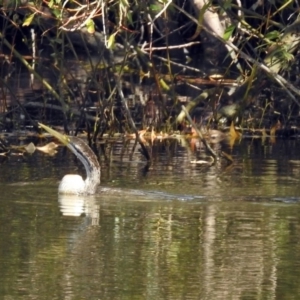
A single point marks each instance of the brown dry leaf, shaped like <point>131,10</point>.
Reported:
<point>274,128</point>
<point>30,148</point>
<point>215,77</point>
<point>153,135</point>
<point>193,132</point>
<point>264,133</point>
<point>4,153</point>
<point>48,148</point>
<point>160,136</point>
<point>233,133</point>
<point>143,140</point>
<point>193,144</point>
<point>142,132</point>
<point>130,135</point>
<point>273,131</point>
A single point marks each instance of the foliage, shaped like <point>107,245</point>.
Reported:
<point>135,41</point>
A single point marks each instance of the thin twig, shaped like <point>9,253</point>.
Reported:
<point>198,131</point>
<point>287,86</point>
<point>145,151</point>
<point>12,94</point>
<point>38,76</point>
<point>171,47</point>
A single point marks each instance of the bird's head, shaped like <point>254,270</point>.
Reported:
<point>64,139</point>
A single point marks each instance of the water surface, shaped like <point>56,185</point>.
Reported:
<point>176,231</point>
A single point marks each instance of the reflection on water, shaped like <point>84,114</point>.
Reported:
<point>206,233</point>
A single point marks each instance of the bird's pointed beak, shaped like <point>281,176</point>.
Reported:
<point>61,137</point>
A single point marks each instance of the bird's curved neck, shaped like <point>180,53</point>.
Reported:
<point>91,165</point>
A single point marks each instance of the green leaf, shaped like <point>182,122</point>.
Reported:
<point>90,26</point>
<point>28,20</point>
<point>227,5</point>
<point>57,13</point>
<point>111,42</point>
<point>124,3</point>
<point>273,35</point>
<point>288,56</point>
<point>58,41</point>
<point>155,8</point>
<point>51,3</point>
<point>228,32</point>
<point>129,17</point>
<point>164,85</point>
<point>16,18</point>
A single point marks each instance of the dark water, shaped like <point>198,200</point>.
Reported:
<point>178,231</point>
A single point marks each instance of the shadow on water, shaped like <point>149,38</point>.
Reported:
<point>179,231</point>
